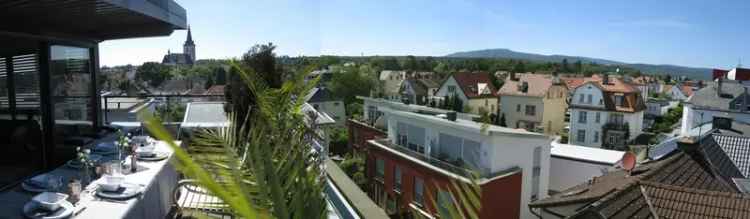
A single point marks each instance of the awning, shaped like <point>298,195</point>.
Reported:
<point>91,20</point>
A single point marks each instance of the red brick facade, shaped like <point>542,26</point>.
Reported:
<point>501,198</point>
<point>360,133</point>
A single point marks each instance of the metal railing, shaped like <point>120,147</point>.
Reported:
<point>124,108</point>
<point>430,160</point>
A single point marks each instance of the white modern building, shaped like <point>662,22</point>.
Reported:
<point>571,165</point>
<point>456,143</point>
<point>605,112</point>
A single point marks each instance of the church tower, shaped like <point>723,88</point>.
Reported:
<point>189,47</point>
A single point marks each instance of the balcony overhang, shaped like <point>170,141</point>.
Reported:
<point>91,20</point>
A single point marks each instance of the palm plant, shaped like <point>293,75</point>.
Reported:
<point>461,199</point>
<point>262,165</point>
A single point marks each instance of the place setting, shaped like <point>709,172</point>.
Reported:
<point>112,186</point>
<point>43,183</point>
<point>49,205</point>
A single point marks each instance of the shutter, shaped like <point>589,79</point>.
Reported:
<point>4,101</point>
<point>26,81</point>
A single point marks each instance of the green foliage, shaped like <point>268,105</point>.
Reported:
<point>664,124</point>
<point>354,166</point>
<point>339,137</point>
<point>153,73</point>
<point>267,172</point>
<point>348,82</point>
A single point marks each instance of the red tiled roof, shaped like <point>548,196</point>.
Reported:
<point>468,82</point>
<point>539,84</point>
<point>687,90</point>
<point>615,84</point>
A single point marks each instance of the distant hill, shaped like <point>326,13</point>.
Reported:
<point>674,70</point>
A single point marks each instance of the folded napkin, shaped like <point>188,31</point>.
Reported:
<point>40,212</point>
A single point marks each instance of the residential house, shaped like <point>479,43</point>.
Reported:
<point>474,90</point>
<point>125,109</point>
<point>323,100</point>
<point>424,153</point>
<point>681,92</point>
<point>534,102</point>
<point>725,98</point>
<point>605,112</point>
<point>391,84</point>
<point>419,91</point>
<point>702,178</point>
<point>659,107</point>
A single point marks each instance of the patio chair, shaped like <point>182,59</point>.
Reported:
<point>191,201</point>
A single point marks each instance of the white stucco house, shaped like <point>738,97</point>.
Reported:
<point>474,90</point>
<point>391,83</point>
<point>322,100</point>
<point>605,112</point>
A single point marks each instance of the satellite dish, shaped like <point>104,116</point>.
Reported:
<point>628,161</point>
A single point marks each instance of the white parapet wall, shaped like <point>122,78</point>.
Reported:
<point>571,165</point>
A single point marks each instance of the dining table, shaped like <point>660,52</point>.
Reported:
<point>157,180</point>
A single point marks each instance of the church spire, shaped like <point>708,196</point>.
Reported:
<point>189,41</point>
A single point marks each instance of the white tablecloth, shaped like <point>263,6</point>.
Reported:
<point>159,179</point>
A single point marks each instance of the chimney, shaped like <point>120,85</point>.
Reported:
<point>720,122</point>
<point>451,115</point>
<point>718,86</point>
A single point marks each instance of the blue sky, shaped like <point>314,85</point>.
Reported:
<point>689,32</point>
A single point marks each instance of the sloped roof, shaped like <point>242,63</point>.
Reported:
<point>177,58</point>
<point>653,200</point>
<point>320,94</point>
<point>686,90</point>
<point>615,84</point>
<point>737,149</point>
<point>679,169</point>
<point>468,81</point>
<point>538,84</point>
<point>421,86</point>
<point>708,97</point>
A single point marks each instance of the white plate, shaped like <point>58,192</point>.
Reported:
<point>159,155</point>
<point>67,210</point>
<point>131,190</point>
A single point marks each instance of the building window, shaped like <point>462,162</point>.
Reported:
<point>537,171</point>
<point>598,117</point>
<point>530,110</point>
<point>581,137</point>
<point>336,103</point>
<point>486,102</point>
<point>518,107</point>
<point>580,98</point>
<point>397,178</point>
<point>379,169</point>
<point>418,191</point>
<point>451,88</point>
<point>588,99</point>
<point>582,117</point>
<point>596,136</point>
<point>617,118</point>
<point>619,100</point>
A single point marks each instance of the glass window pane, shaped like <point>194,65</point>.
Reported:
<point>450,147</point>
<point>70,84</point>
<point>471,154</point>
